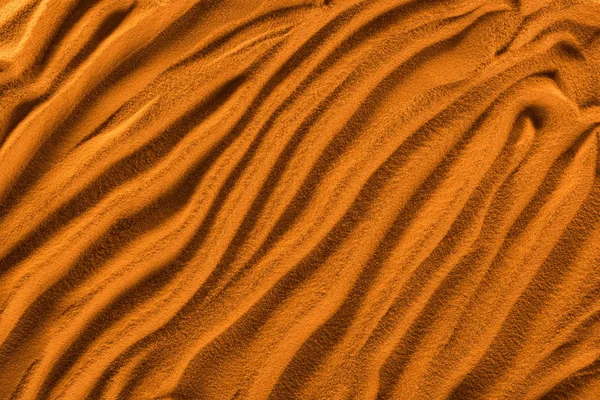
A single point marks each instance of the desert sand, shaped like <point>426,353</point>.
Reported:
<point>289,199</point>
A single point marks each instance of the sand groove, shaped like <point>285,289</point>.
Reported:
<point>219,199</point>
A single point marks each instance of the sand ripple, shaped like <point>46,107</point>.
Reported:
<point>218,199</point>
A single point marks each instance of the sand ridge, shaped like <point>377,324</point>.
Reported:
<point>341,199</point>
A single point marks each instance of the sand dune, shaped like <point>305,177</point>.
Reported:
<point>346,199</point>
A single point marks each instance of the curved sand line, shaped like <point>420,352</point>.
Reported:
<point>217,199</point>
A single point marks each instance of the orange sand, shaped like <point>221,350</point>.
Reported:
<point>288,199</point>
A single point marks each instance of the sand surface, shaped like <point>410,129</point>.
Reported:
<point>289,199</point>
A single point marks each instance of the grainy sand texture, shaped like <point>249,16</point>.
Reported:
<point>296,199</point>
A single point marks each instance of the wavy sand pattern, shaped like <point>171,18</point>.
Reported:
<point>348,199</point>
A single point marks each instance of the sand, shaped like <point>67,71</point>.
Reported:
<point>289,199</point>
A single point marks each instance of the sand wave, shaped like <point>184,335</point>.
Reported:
<point>369,199</point>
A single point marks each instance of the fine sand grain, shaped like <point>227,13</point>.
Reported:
<point>289,199</point>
